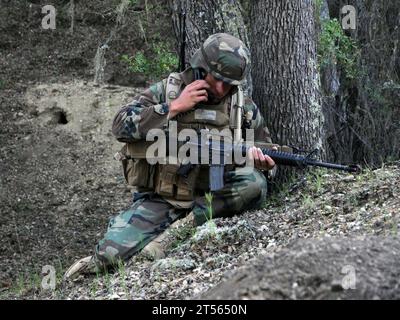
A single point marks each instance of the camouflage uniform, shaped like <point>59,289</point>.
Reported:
<point>150,214</point>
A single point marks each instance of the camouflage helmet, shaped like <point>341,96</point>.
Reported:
<point>224,56</point>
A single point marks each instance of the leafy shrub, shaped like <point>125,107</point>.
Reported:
<point>335,46</point>
<point>159,64</point>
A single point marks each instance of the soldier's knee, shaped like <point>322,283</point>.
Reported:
<point>254,183</point>
<point>253,191</point>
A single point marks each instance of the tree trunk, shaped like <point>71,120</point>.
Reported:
<point>285,71</point>
<point>204,18</point>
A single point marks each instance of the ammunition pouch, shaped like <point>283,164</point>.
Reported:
<point>170,184</point>
<point>137,172</point>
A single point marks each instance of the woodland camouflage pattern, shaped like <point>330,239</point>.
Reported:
<point>224,56</point>
<point>149,215</point>
<point>149,110</point>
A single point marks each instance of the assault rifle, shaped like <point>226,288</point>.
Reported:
<point>284,155</point>
<point>224,150</point>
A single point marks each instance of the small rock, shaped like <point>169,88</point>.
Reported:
<point>115,297</point>
<point>271,244</point>
<point>349,178</point>
<point>170,263</point>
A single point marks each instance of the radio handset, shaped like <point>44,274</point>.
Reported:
<point>199,74</point>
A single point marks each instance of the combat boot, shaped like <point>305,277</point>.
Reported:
<point>87,265</point>
<point>157,248</point>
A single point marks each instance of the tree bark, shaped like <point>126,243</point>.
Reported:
<point>204,18</point>
<point>287,85</point>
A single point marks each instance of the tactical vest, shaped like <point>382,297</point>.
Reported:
<point>164,178</point>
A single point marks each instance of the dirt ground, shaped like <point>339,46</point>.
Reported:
<point>59,182</point>
<point>328,268</point>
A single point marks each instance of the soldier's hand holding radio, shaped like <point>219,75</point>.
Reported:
<point>191,95</point>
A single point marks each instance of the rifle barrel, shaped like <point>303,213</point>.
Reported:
<point>332,165</point>
<point>285,158</point>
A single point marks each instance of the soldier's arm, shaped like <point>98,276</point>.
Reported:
<point>253,119</point>
<point>148,110</point>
